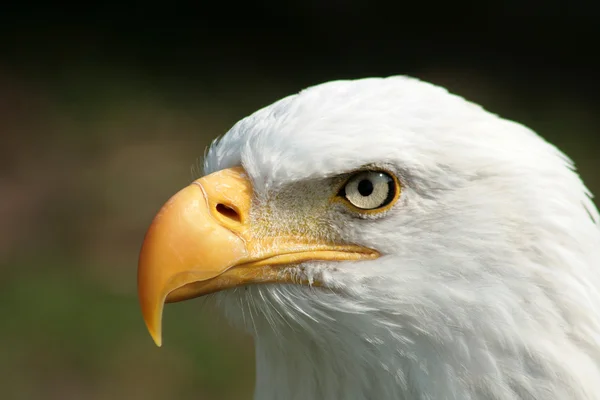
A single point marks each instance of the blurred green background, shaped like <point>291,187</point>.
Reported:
<point>106,111</point>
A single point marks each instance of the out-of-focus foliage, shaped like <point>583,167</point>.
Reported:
<point>85,162</point>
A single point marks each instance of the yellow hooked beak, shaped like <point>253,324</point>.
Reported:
<point>202,241</point>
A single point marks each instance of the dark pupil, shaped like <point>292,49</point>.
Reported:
<point>365,187</point>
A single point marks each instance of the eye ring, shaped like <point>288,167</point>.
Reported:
<point>370,191</point>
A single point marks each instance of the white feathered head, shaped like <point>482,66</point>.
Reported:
<point>382,238</point>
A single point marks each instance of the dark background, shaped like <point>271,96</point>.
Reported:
<point>105,111</point>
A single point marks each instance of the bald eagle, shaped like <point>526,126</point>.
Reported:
<point>382,238</point>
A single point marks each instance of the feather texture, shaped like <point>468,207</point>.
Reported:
<point>488,284</point>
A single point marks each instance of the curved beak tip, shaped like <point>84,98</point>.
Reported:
<point>153,325</point>
<point>157,337</point>
<point>152,310</point>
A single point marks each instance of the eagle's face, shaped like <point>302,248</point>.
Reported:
<point>391,218</point>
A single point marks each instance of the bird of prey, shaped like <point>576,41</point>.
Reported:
<point>382,238</point>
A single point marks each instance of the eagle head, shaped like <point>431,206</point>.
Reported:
<point>382,238</point>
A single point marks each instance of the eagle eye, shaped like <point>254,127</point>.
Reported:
<point>370,191</point>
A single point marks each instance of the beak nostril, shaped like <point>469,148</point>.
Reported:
<point>228,212</point>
